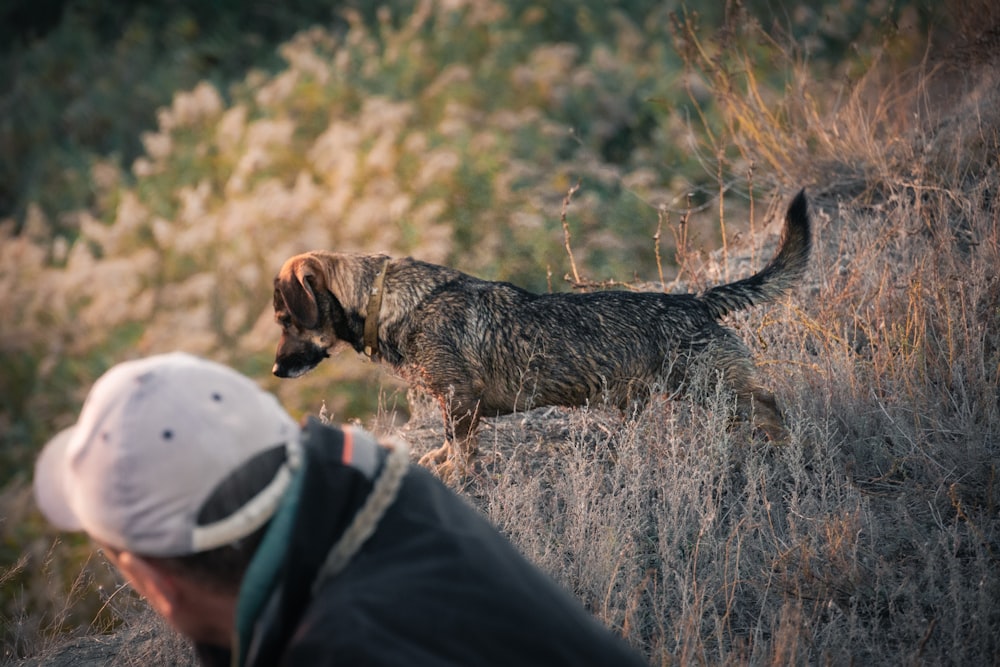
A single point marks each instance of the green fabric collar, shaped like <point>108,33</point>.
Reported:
<point>258,583</point>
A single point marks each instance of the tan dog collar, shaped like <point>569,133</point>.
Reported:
<point>371,318</point>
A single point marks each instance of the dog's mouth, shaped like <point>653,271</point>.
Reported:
<point>288,373</point>
<point>297,365</point>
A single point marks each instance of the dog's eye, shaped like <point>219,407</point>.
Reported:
<point>284,320</point>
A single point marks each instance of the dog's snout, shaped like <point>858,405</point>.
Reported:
<point>296,362</point>
<point>288,371</point>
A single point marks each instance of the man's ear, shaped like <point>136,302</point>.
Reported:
<point>152,581</point>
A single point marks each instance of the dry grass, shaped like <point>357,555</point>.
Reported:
<point>123,631</point>
<point>871,538</point>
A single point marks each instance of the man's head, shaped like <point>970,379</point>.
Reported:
<point>175,464</point>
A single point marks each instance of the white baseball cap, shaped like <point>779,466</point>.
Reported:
<point>154,439</point>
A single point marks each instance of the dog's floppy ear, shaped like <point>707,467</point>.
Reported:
<point>297,283</point>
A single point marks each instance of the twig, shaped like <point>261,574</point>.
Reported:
<point>661,214</point>
<point>680,245</point>
<point>107,602</point>
<point>566,235</point>
<point>722,219</point>
<point>753,235</point>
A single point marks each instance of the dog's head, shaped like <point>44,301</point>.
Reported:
<point>308,305</point>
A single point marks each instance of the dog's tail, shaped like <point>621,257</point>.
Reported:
<point>775,278</point>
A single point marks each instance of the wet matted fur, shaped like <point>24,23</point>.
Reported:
<point>485,348</point>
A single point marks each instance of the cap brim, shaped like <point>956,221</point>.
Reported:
<point>50,482</point>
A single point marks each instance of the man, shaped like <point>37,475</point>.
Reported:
<point>271,544</point>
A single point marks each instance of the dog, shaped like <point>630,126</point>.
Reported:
<point>485,349</point>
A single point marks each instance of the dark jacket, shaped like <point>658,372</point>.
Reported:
<point>435,584</point>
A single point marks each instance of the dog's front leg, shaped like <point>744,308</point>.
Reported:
<point>436,457</point>
<point>459,448</point>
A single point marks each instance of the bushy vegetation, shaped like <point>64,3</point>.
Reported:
<point>454,134</point>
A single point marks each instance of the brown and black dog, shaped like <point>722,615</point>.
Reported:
<point>485,349</point>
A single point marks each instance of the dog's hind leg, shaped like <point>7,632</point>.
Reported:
<point>761,408</point>
<point>753,403</point>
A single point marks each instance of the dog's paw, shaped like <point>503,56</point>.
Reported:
<point>448,472</point>
<point>448,464</point>
<point>435,457</point>
<point>777,434</point>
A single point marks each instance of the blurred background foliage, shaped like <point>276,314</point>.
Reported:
<point>159,161</point>
<point>80,80</point>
